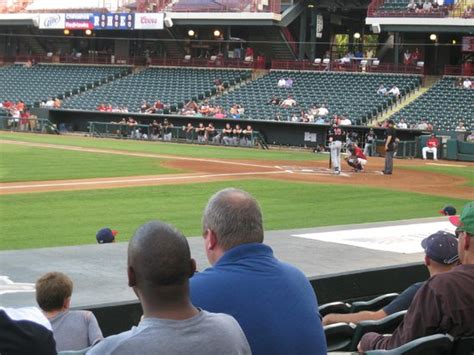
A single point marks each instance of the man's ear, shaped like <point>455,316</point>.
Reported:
<point>132,280</point>
<point>193,267</point>
<point>427,260</point>
<point>211,239</point>
<point>467,241</point>
<point>67,303</point>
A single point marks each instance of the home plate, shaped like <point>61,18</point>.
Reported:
<point>404,239</point>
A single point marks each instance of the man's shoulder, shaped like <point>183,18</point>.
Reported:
<point>109,344</point>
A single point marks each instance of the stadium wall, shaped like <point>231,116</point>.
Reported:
<point>365,284</point>
<point>277,133</point>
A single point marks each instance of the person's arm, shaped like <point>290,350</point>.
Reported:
<point>94,332</point>
<point>423,318</point>
<point>355,318</point>
<point>387,142</point>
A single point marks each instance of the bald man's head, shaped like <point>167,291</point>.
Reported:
<point>235,217</point>
<point>158,255</point>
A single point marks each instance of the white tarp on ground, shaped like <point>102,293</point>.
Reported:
<point>404,239</point>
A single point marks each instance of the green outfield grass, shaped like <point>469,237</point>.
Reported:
<point>72,218</point>
<point>21,163</point>
<point>188,150</point>
<point>465,172</point>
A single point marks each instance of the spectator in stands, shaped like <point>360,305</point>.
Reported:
<point>144,107</point>
<point>273,301</point>
<point>50,103</point>
<point>323,111</point>
<point>220,113</point>
<point>167,130</point>
<point>73,330</point>
<point>423,125</point>
<point>345,121</point>
<point>101,107</point>
<point>278,117</point>
<point>219,85</point>
<point>281,83</point>
<point>288,83</point>
<point>467,84</point>
<point>407,55</point>
<point>470,137</point>
<point>227,135</point>
<point>57,103</point>
<point>275,100</point>
<point>249,54</point>
<point>25,120</point>
<point>427,7</point>
<point>25,331</point>
<point>411,7</point>
<point>201,133</point>
<point>288,102</point>
<point>394,91</point>
<point>441,255</point>
<point>234,111</point>
<point>415,56</point>
<point>159,268</point>
<point>460,131</point>
<point>247,136</point>
<point>382,90</point>
<point>294,117</point>
<point>402,124</point>
<point>444,303</point>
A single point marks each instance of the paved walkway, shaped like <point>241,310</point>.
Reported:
<point>99,271</point>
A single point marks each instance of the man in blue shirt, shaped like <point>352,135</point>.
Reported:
<point>273,301</point>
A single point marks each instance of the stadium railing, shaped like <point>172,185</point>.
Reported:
<point>272,6</point>
<point>37,125</point>
<point>356,65</point>
<point>459,70</point>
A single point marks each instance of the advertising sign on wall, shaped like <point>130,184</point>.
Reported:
<point>79,21</point>
<point>113,21</point>
<point>149,21</point>
<point>51,21</point>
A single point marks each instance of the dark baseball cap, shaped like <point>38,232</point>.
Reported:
<point>465,222</point>
<point>441,247</point>
<point>106,235</point>
<point>448,210</point>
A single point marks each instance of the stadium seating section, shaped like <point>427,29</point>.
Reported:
<point>351,94</point>
<point>172,86</point>
<point>444,105</point>
<point>41,82</point>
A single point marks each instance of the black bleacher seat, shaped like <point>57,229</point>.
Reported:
<point>334,307</point>
<point>383,326</point>
<point>463,346</point>
<point>339,336</point>
<point>437,344</point>
<point>374,304</point>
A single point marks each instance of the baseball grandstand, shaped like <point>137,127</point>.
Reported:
<point>119,112</point>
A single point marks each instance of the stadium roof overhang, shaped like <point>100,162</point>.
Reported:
<point>418,24</point>
<point>224,18</point>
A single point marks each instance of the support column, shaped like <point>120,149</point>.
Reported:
<point>312,36</point>
<point>302,37</point>
<point>396,48</point>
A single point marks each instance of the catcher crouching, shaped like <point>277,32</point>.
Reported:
<point>357,158</point>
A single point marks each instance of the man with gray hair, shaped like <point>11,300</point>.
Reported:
<point>159,267</point>
<point>273,301</point>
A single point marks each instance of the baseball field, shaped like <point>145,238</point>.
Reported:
<point>59,190</point>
